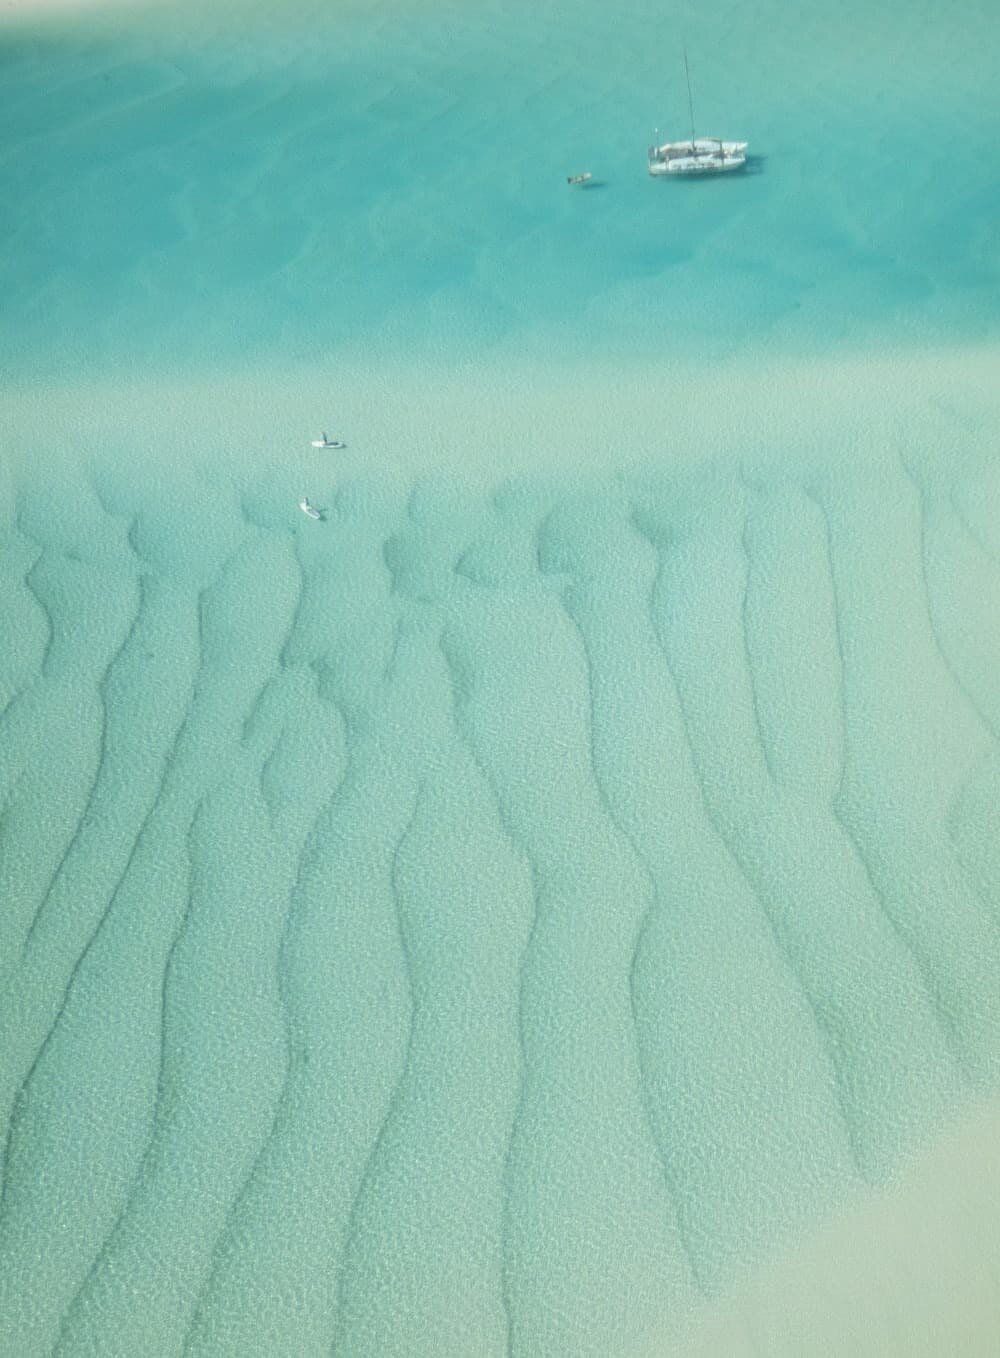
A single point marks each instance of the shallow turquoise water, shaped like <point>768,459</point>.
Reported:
<point>480,924</point>
<point>490,920</point>
<point>216,187</point>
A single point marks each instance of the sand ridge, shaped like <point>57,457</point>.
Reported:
<point>483,421</point>
<point>575,885</point>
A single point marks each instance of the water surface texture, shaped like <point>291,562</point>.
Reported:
<point>215,184</point>
<point>549,906</point>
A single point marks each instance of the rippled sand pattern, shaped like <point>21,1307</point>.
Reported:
<point>505,918</point>
<point>480,923</point>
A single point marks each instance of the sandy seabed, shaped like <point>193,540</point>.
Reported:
<point>533,897</point>
<point>911,1271</point>
<point>551,905</point>
<point>510,416</point>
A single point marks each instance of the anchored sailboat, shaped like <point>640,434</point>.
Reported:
<point>698,155</point>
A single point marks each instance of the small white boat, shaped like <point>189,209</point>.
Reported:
<point>309,510</point>
<point>324,442</point>
<point>584,178</point>
<point>697,155</point>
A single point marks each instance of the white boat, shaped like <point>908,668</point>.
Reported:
<point>584,178</point>
<point>697,155</point>
<point>324,442</point>
<point>701,155</point>
<point>310,510</point>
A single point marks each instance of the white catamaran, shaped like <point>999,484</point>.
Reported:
<point>697,155</point>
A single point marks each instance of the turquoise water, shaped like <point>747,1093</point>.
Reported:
<point>191,188</point>
<point>493,919</point>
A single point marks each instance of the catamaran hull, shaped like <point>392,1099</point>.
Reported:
<point>696,165</point>
<point>701,146</point>
<point>704,155</point>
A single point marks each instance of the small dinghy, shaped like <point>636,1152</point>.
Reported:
<point>324,442</point>
<point>584,178</point>
<point>309,510</point>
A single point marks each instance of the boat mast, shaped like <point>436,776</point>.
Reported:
<point>690,101</point>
